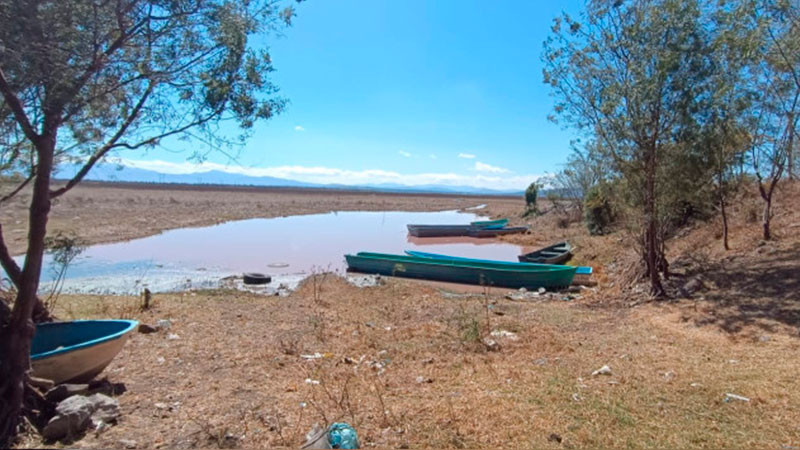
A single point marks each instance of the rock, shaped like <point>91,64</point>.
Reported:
<point>106,409</point>
<point>523,290</point>
<point>147,329</point>
<point>76,413</point>
<point>691,286</point>
<point>733,397</point>
<point>541,290</point>
<point>64,391</point>
<point>72,417</point>
<point>554,438</point>
<point>605,370</point>
<point>421,380</point>
<point>41,383</point>
<point>491,345</point>
<point>128,443</point>
<point>504,334</point>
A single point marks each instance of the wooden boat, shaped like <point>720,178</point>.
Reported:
<point>455,230</point>
<point>492,232</point>
<point>77,351</point>
<point>469,272</point>
<point>580,270</point>
<point>554,254</point>
<point>438,230</point>
<point>499,223</point>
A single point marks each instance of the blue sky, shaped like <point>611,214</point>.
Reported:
<point>406,92</point>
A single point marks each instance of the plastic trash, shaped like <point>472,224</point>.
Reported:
<point>338,435</point>
<point>342,435</point>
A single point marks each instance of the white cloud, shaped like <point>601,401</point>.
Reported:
<point>402,153</point>
<point>332,175</point>
<point>466,155</point>
<point>481,167</point>
<point>299,128</point>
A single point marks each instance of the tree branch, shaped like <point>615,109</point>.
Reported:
<point>99,154</point>
<point>16,107</point>
<point>20,187</point>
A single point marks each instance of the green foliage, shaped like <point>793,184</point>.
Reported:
<point>597,210</point>
<point>531,196</point>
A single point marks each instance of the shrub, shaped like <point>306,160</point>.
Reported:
<point>598,213</point>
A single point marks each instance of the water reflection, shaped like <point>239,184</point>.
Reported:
<point>285,247</point>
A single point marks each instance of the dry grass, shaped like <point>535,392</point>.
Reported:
<point>237,371</point>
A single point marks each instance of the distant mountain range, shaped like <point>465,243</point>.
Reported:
<point>113,172</point>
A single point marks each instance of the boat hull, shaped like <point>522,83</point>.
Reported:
<point>580,270</point>
<point>438,230</point>
<point>554,254</point>
<point>76,362</point>
<point>461,272</point>
<point>492,232</point>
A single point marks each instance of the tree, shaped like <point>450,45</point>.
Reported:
<point>83,78</point>
<point>583,170</point>
<point>776,77</point>
<point>531,196</point>
<point>625,75</point>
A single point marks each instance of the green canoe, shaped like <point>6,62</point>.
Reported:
<point>499,223</point>
<point>470,272</point>
<point>580,270</point>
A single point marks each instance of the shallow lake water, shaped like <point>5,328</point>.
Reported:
<point>287,248</point>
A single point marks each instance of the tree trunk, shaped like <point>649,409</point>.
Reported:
<point>651,236</point>
<point>40,312</point>
<point>724,214</point>
<point>766,216</point>
<point>16,336</point>
<point>790,130</point>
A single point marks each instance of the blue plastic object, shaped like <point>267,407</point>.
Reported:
<point>342,435</point>
<point>62,337</point>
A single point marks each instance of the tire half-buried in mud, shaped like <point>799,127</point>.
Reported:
<point>256,278</point>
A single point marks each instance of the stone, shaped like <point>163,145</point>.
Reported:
<point>691,286</point>
<point>491,345</point>
<point>128,443</point>
<point>733,397</point>
<point>554,437</point>
<point>423,380</point>
<point>41,383</point>
<point>64,391</point>
<point>106,409</point>
<point>147,329</point>
<point>605,370</point>
<point>541,290</point>
<point>72,418</point>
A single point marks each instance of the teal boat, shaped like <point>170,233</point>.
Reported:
<point>468,272</point>
<point>580,270</point>
<point>489,224</point>
<point>79,350</point>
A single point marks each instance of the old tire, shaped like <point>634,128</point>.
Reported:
<point>256,278</point>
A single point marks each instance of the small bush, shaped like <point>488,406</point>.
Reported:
<point>531,195</point>
<point>598,213</point>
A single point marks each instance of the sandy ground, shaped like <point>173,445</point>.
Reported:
<point>104,212</point>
